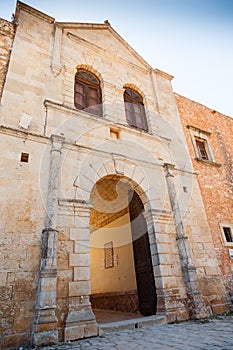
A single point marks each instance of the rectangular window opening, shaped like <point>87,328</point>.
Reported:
<point>24,157</point>
<point>228,234</point>
<point>201,148</point>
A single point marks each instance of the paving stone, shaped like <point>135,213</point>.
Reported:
<point>215,335</point>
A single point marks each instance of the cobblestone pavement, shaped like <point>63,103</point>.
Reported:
<point>212,334</point>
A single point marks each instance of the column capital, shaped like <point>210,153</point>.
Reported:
<point>57,142</point>
<point>169,169</point>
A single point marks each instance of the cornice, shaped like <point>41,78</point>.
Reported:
<point>80,25</point>
<point>20,6</point>
<point>200,131</point>
<point>77,113</point>
<point>100,26</point>
<point>23,134</point>
<point>106,53</point>
<point>163,74</point>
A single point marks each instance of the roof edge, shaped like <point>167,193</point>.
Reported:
<point>31,10</point>
<point>212,110</point>
<point>70,25</point>
<point>105,25</point>
<point>163,74</point>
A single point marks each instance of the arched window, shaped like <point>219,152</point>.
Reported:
<point>134,109</point>
<point>87,92</point>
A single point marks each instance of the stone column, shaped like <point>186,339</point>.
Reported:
<point>80,321</point>
<point>45,323</point>
<point>196,306</point>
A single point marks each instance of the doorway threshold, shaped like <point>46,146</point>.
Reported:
<point>114,321</point>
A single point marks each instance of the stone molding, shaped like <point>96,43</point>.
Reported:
<point>56,60</point>
<point>163,74</point>
<point>106,53</point>
<point>32,11</point>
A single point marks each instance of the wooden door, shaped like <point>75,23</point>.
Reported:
<point>142,257</point>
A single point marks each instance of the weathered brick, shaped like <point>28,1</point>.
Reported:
<point>216,183</point>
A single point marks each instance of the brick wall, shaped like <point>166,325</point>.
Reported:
<point>7,32</point>
<point>215,178</point>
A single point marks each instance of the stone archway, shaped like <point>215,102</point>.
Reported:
<point>122,276</point>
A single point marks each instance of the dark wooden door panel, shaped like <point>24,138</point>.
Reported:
<point>142,257</point>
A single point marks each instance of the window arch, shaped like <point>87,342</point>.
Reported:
<point>87,92</point>
<point>134,109</point>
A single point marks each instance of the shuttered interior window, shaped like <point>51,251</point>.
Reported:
<point>87,93</point>
<point>228,234</point>
<point>134,110</point>
<point>201,147</point>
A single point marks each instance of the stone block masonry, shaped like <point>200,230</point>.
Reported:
<point>55,201</point>
<point>7,33</point>
<point>215,179</point>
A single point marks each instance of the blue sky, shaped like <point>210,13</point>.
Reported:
<point>190,39</point>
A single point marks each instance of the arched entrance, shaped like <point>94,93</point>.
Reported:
<point>121,267</point>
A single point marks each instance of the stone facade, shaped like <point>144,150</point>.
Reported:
<point>215,176</point>
<point>53,158</point>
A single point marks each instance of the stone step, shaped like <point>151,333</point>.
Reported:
<point>132,324</point>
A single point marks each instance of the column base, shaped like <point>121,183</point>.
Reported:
<point>170,303</point>
<point>196,307</point>
<point>80,322</point>
<point>45,328</point>
<point>45,338</point>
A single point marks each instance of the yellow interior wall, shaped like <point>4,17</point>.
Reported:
<point>120,277</point>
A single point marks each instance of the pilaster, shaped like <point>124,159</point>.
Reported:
<point>45,323</point>
<point>56,62</point>
<point>196,306</point>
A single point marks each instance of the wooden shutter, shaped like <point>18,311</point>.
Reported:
<point>87,92</point>
<point>134,110</point>
<point>201,149</point>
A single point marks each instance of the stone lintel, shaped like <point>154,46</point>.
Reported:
<point>199,130</point>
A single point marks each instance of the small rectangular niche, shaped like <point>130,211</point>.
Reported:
<point>115,134</point>
<point>24,157</point>
<point>108,255</point>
